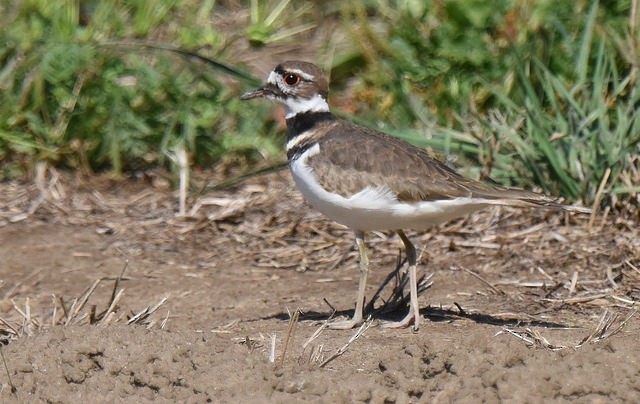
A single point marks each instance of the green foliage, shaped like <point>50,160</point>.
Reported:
<point>76,94</point>
<point>271,28</point>
<point>573,130</point>
<point>444,53</point>
<point>540,93</point>
<point>531,93</point>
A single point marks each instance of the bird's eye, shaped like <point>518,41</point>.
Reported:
<point>291,79</point>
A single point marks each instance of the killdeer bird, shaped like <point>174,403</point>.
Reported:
<point>368,180</point>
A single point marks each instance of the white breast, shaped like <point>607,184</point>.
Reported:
<point>376,208</point>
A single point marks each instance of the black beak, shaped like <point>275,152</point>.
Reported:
<point>264,91</point>
<point>258,92</point>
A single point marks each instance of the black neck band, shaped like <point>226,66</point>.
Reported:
<point>304,121</point>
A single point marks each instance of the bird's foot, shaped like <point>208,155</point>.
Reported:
<point>410,318</point>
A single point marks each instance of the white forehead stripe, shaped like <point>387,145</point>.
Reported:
<point>273,78</point>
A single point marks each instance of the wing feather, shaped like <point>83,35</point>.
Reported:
<point>345,165</point>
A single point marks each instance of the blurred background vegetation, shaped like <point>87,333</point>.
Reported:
<point>532,93</point>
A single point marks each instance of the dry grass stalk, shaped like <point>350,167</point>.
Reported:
<point>475,244</point>
<point>29,324</point>
<point>182,161</point>
<point>531,338</point>
<point>78,305</point>
<point>76,313</point>
<point>525,284</point>
<point>364,327</point>
<point>602,331</point>
<point>226,329</point>
<point>8,330</point>
<point>6,368</point>
<point>164,321</point>
<point>625,300</point>
<point>272,351</point>
<point>630,264</point>
<point>610,278</point>
<point>144,314</point>
<point>544,273</point>
<point>526,231</point>
<point>574,282</point>
<point>293,320</point>
<point>317,332</point>
<point>316,351</point>
<point>605,327</point>
<point>578,299</point>
<point>481,279</point>
<point>107,316</point>
<point>316,354</point>
<point>54,313</point>
<point>598,198</point>
<point>116,294</point>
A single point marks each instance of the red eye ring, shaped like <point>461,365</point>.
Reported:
<point>291,79</point>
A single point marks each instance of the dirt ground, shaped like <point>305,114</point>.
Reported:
<point>526,306</point>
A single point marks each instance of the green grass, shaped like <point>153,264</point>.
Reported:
<point>530,93</point>
<point>526,92</point>
<point>563,133</point>
<point>90,95</point>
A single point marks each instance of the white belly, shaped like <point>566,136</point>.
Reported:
<point>377,208</point>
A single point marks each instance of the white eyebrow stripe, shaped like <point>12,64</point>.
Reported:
<point>302,74</point>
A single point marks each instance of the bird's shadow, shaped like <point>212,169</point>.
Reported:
<point>431,313</point>
<point>396,307</point>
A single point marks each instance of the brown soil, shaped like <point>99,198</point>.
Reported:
<point>528,306</point>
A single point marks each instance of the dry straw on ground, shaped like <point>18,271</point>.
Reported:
<point>563,260</point>
<point>79,312</point>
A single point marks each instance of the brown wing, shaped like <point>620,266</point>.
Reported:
<point>354,157</point>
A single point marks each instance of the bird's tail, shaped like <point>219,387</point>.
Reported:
<point>541,202</point>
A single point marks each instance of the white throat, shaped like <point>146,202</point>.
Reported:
<point>296,105</point>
